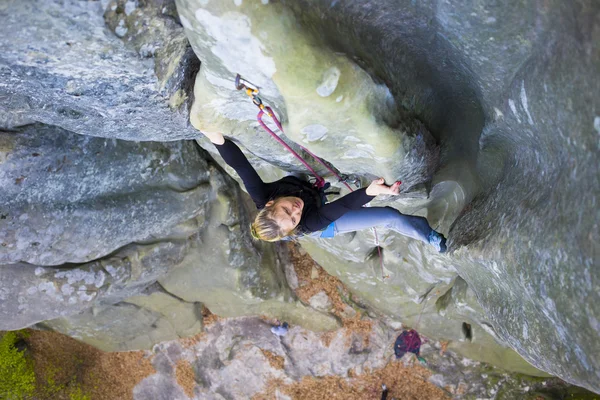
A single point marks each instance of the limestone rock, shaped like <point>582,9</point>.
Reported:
<point>326,102</point>
<point>250,278</point>
<point>506,90</point>
<point>518,135</point>
<point>71,198</point>
<point>237,358</point>
<point>320,301</point>
<point>153,29</point>
<point>78,75</point>
<point>32,294</point>
<point>137,323</point>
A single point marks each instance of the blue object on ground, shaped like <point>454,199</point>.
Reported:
<point>280,330</point>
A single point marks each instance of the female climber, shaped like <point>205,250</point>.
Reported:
<point>293,207</point>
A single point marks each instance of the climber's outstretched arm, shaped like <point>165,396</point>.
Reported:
<point>234,157</point>
<point>330,212</point>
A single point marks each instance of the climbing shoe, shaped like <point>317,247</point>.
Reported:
<point>438,241</point>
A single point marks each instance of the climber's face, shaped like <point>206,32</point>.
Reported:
<point>287,212</point>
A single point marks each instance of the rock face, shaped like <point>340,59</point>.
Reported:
<point>65,193</point>
<point>240,358</point>
<point>489,108</point>
<point>179,219</point>
<point>71,71</point>
<point>527,242</point>
<point>30,295</point>
<point>89,225</point>
<point>522,246</point>
<point>139,322</point>
<point>325,101</point>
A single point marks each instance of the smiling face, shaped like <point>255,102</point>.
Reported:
<point>287,212</point>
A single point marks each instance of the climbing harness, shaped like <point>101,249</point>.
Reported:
<point>252,91</point>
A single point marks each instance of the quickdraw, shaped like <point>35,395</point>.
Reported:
<point>252,91</point>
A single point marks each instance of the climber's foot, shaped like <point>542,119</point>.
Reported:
<point>438,241</point>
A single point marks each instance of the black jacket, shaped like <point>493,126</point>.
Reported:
<point>315,216</point>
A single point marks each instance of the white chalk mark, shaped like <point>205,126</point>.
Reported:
<point>512,106</point>
<point>524,102</point>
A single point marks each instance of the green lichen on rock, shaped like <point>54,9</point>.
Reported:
<point>533,388</point>
<point>77,394</point>
<point>17,379</point>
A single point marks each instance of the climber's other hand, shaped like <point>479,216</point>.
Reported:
<point>378,187</point>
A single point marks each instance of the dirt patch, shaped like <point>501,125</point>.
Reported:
<point>191,341</point>
<point>272,387</point>
<point>327,337</point>
<point>312,279</point>
<point>311,283</point>
<point>407,383</point>
<point>208,318</point>
<point>63,364</point>
<point>444,347</point>
<point>185,377</point>
<point>275,360</point>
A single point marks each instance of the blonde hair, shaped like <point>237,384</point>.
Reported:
<point>266,228</point>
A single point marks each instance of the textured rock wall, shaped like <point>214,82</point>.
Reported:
<point>506,89</point>
<point>89,225</point>
<point>239,358</point>
<point>65,193</point>
<point>529,235</point>
<point>98,232</point>
<point>414,271</point>
<point>325,101</point>
<point>61,66</point>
